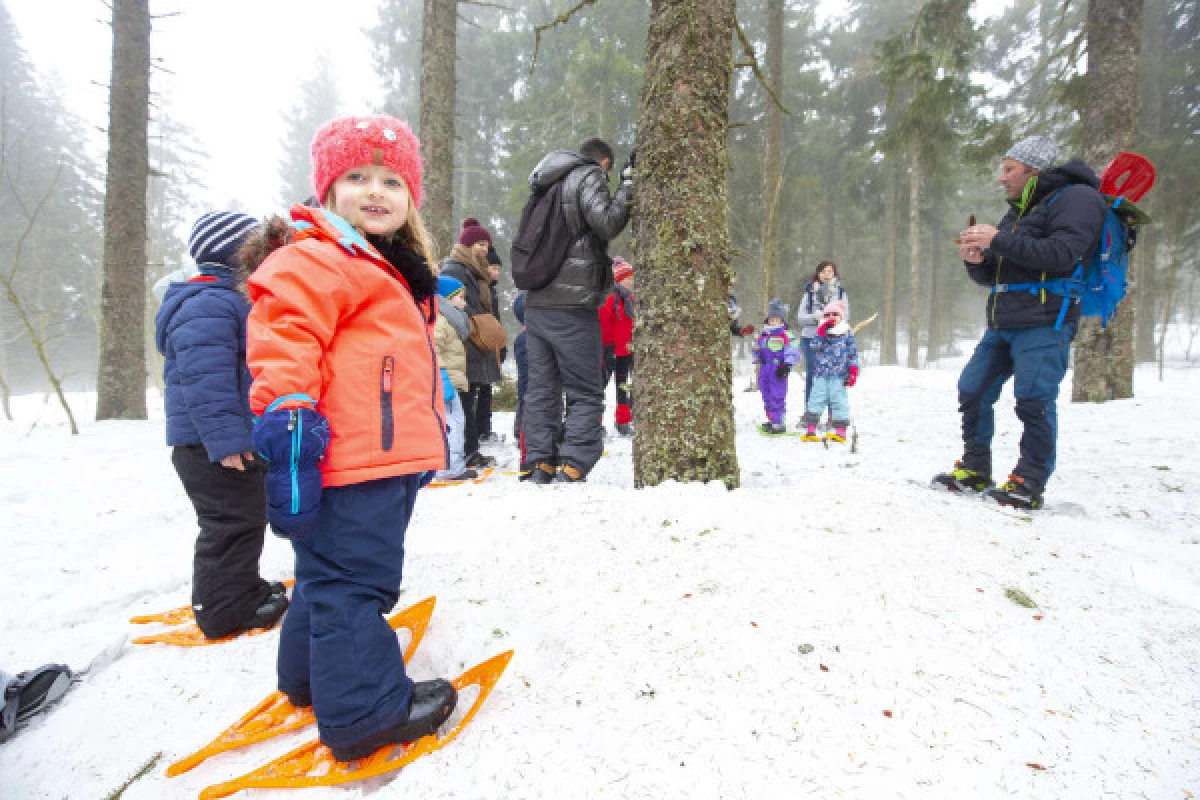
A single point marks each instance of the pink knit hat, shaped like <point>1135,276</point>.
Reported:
<point>473,232</point>
<point>621,269</point>
<point>349,142</point>
<point>836,305</point>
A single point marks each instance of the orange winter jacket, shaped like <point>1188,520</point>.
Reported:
<point>334,321</point>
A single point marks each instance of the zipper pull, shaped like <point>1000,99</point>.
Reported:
<point>292,420</point>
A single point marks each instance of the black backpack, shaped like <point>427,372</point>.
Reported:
<point>543,238</point>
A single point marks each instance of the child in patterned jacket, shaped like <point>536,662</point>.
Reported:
<point>835,367</point>
<point>775,351</point>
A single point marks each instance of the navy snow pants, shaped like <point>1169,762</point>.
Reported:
<point>1037,360</point>
<point>335,645</point>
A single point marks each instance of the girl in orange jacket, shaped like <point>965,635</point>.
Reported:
<point>352,420</point>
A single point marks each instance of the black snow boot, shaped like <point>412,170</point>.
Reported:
<point>1016,492</point>
<point>269,613</point>
<point>432,704</point>
<point>962,479</point>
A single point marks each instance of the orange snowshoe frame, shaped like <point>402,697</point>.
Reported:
<point>313,764</point>
<point>275,715</point>
<point>188,634</point>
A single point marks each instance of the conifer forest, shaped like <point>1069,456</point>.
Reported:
<point>770,135</point>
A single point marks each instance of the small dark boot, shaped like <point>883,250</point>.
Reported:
<point>542,474</point>
<point>269,613</point>
<point>31,692</point>
<point>569,474</point>
<point>432,704</point>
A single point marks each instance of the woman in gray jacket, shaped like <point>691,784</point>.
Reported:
<point>824,288</point>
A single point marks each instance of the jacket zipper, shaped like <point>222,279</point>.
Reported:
<point>296,426</point>
<point>388,433</point>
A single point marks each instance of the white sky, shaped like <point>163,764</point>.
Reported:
<point>236,66</point>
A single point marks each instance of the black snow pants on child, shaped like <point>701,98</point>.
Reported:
<point>231,508</point>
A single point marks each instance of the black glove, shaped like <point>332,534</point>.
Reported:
<point>782,370</point>
<point>610,361</point>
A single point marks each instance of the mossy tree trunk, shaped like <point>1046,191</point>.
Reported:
<point>772,154</point>
<point>121,382</point>
<point>438,48</point>
<point>684,413</point>
<point>1104,356</point>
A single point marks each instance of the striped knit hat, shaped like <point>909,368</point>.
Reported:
<point>217,235</point>
<point>621,269</point>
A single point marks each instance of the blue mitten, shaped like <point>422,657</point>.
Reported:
<point>293,441</point>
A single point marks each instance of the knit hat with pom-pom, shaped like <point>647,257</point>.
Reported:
<point>343,144</point>
<point>836,305</point>
<point>473,232</point>
<point>621,269</point>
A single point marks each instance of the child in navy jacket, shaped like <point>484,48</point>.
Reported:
<point>201,332</point>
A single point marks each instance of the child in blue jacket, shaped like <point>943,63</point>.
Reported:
<point>835,369</point>
<point>201,332</point>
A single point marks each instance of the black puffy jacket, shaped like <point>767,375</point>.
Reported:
<point>1044,241</point>
<point>595,218</point>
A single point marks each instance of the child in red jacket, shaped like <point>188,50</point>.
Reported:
<point>616,334</point>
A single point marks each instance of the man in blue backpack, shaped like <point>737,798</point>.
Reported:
<point>1053,225</point>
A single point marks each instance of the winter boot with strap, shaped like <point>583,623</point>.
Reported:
<point>1015,493</point>
<point>961,479</point>
<point>31,692</point>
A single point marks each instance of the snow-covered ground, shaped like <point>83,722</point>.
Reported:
<point>831,630</point>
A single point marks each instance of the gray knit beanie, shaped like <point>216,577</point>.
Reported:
<point>776,308</point>
<point>1036,151</point>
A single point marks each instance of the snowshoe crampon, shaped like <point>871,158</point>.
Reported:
<point>187,633</point>
<point>961,480</point>
<point>275,715</point>
<point>312,764</point>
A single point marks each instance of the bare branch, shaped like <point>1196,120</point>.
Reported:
<point>561,19</point>
<point>470,22</point>
<point>166,15</point>
<point>753,58</point>
<point>484,4</point>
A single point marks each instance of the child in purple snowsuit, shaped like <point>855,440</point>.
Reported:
<point>775,351</point>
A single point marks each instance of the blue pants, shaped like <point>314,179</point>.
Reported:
<point>828,391</point>
<point>1037,360</point>
<point>806,343</point>
<point>335,645</point>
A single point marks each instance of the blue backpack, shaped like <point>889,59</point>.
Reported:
<point>1100,283</point>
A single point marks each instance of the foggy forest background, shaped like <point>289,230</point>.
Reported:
<point>849,120</point>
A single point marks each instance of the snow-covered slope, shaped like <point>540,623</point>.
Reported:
<point>831,630</point>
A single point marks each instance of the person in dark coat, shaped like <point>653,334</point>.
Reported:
<point>468,263</point>
<point>562,326</point>
<point>201,332</point>
<point>521,354</point>
<point>1053,223</point>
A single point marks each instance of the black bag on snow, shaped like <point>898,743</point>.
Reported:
<point>543,238</point>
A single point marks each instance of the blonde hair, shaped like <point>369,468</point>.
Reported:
<point>412,233</point>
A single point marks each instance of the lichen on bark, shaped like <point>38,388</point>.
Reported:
<point>684,409</point>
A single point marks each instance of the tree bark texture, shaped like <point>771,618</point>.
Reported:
<point>121,382</point>
<point>1149,251</point>
<point>438,52</point>
<point>684,413</point>
<point>914,255</point>
<point>772,153</point>
<point>887,344</point>
<point>1104,356</point>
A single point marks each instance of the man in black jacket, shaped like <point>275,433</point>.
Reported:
<point>1053,224</point>
<point>561,325</point>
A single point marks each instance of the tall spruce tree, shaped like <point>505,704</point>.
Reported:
<point>318,102</point>
<point>1104,357</point>
<point>684,413</point>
